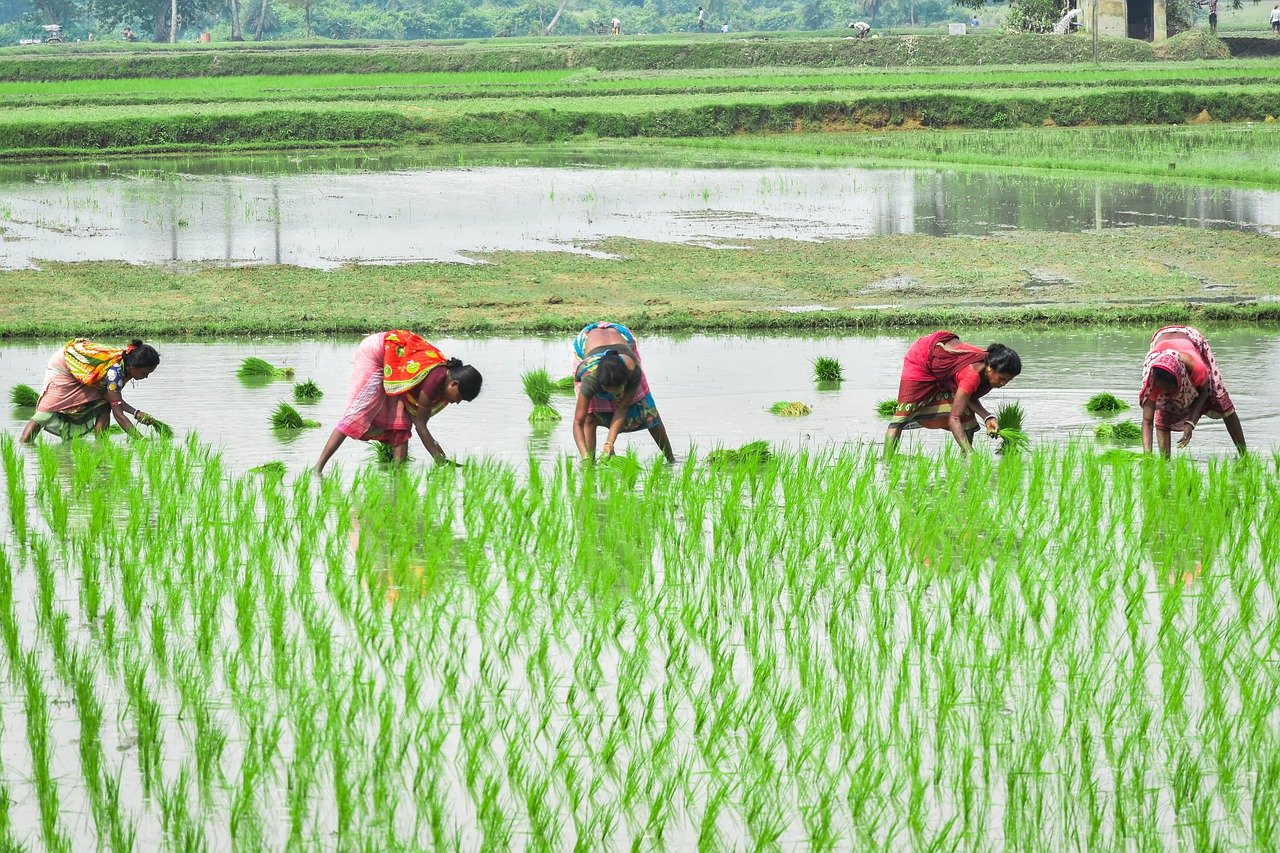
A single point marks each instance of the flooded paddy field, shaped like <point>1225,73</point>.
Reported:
<point>713,390</point>
<point>323,211</point>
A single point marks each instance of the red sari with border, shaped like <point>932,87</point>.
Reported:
<point>931,374</point>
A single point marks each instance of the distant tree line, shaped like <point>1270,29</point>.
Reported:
<point>449,19</point>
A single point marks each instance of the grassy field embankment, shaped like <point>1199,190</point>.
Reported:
<point>106,60</point>
<point>244,112</point>
<point>1137,275</point>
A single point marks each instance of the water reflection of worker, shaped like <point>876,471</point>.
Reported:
<point>612,390</point>
<point>82,387</point>
<point>860,29</point>
<point>1180,384</point>
<point>400,381</point>
<point>943,380</point>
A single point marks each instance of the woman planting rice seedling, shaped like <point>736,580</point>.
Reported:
<point>1180,384</point>
<point>82,388</point>
<point>608,376</point>
<point>400,381</point>
<point>943,380</point>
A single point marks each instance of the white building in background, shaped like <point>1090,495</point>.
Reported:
<point>1136,19</point>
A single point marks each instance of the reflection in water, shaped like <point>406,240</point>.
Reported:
<point>395,215</point>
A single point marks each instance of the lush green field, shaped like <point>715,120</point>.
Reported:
<point>1150,275</point>
<point>121,115</point>
<point>821,651</point>
<point>1242,154</point>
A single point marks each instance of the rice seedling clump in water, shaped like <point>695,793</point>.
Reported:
<point>887,408</point>
<point>307,392</point>
<point>826,369</point>
<point>1105,404</point>
<point>257,368</point>
<point>790,410</point>
<point>565,385</point>
<point>274,469</point>
<point>24,396</point>
<point>287,417</point>
<point>1120,431</point>
<point>539,387</point>
<point>755,452</point>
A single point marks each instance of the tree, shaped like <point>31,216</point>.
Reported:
<point>154,14</point>
<point>236,33</point>
<point>305,6</point>
<point>264,19</point>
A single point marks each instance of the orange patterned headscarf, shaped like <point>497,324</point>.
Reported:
<point>89,362</point>
<point>406,361</point>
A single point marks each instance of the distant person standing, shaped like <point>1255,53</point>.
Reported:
<point>973,22</point>
<point>860,29</point>
<point>702,20</point>
<point>1213,15</point>
<point>725,29</point>
<point>1275,20</point>
<point>617,27</point>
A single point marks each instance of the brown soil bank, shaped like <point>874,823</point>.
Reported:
<point>87,62</point>
<point>1147,275</point>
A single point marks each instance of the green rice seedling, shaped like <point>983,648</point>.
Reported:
<point>565,385</point>
<point>1121,432</point>
<point>257,368</point>
<point>827,369</point>
<point>887,408</point>
<point>286,417</point>
<point>24,396</point>
<point>1105,404</point>
<point>274,469</point>
<point>161,428</point>
<point>307,392</point>
<point>538,388</point>
<point>755,452</point>
<point>1009,418</point>
<point>790,410</point>
<point>383,453</point>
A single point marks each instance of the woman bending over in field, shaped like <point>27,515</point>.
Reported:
<point>1180,384</point>
<point>943,380</point>
<point>400,381</point>
<point>82,386</point>
<point>612,391</point>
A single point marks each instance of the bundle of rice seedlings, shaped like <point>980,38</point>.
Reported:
<point>162,429</point>
<point>1009,419</point>
<point>755,452</point>
<point>273,469</point>
<point>538,387</point>
<point>791,410</point>
<point>827,369</point>
<point>1105,404</point>
<point>1121,432</point>
<point>256,368</point>
<point>564,385</point>
<point>887,408</point>
<point>287,417</point>
<point>24,396</point>
<point>383,453</point>
<point>307,392</point>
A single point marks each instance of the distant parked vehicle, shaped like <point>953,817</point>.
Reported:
<point>53,33</point>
